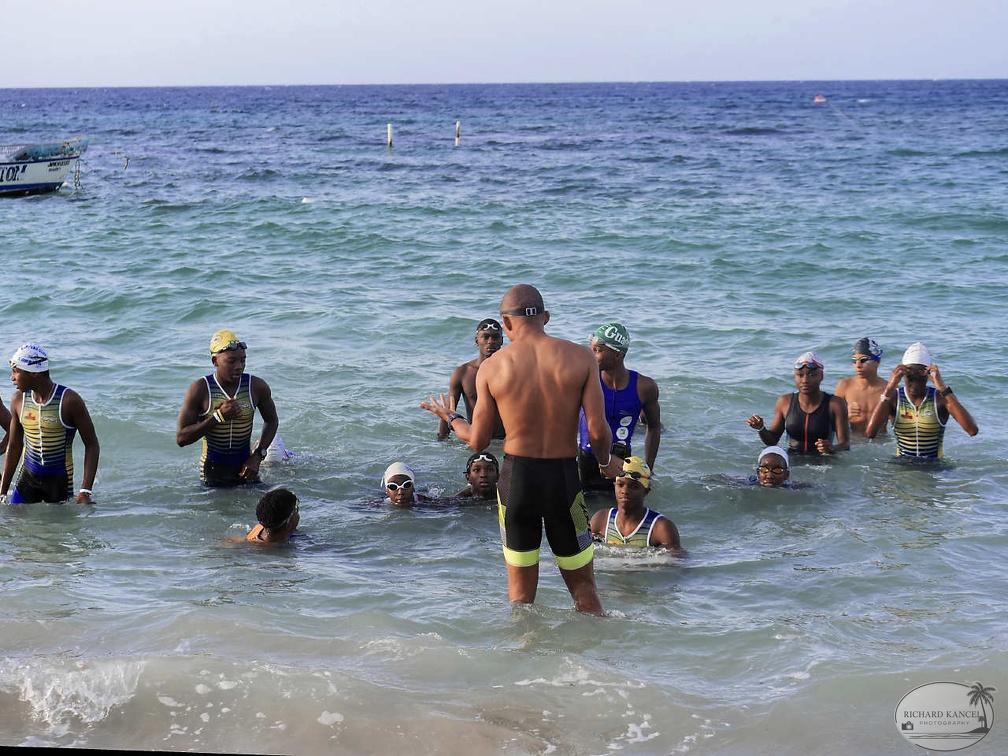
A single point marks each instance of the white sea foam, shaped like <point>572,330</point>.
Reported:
<point>61,691</point>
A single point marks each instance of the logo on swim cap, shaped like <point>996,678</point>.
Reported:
<point>31,358</point>
<point>225,341</point>
<point>809,360</point>
<point>612,335</point>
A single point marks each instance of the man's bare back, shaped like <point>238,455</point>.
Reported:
<point>537,386</point>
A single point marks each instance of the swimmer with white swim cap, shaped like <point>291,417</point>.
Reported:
<point>45,417</point>
<point>918,412</point>
<point>399,483</point>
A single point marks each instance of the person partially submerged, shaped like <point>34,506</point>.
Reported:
<point>278,516</point>
<point>399,483</point>
<point>536,386</point>
<point>482,471</point>
<point>773,469</point>
<point>630,523</point>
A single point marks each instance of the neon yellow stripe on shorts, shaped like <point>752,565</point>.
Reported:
<point>521,558</point>
<point>578,560</point>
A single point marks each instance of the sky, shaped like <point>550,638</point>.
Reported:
<point>109,43</point>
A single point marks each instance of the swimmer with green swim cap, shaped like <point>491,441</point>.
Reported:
<point>630,397</point>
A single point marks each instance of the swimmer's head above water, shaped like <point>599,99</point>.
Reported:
<point>399,483</point>
<point>773,467</point>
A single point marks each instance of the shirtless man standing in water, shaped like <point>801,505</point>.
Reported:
<point>462,384</point>
<point>861,390</point>
<point>538,385</point>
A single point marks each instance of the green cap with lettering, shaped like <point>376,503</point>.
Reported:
<point>612,335</point>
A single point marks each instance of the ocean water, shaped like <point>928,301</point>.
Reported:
<point>729,226</point>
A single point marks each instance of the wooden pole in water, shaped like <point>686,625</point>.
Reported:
<point>390,136</point>
<point>458,132</point>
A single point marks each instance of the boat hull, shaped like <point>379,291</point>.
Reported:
<point>39,168</point>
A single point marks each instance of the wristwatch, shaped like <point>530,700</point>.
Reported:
<point>262,451</point>
<point>945,391</point>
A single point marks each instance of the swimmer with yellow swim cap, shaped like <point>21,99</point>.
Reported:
<point>220,408</point>
<point>630,523</point>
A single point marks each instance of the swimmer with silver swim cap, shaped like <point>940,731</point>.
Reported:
<point>861,390</point>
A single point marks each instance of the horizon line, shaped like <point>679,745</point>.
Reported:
<point>498,83</point>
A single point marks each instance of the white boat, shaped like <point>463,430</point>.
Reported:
<point>38,168</point>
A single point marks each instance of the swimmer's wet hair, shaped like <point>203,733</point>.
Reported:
<point>275,508</point>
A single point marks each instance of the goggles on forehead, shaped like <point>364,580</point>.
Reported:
<point>633,474</point>
<point>231,346</point>
<point>481,458</point>
<point>489,327</point>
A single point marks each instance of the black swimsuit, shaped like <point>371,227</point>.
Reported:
<point>805,428</point>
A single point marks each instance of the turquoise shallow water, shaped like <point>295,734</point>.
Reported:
<point>730,226</point>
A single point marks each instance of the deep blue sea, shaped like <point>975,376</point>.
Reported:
<point>730,226</point>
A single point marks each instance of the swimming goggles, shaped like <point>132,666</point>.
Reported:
<point>481,458</point>
<point>633,474</point>
<point>231,346</point>
<point>406,485</point>
<point>289,518</point>
<point>774,470</point>
<point>863,360</point>
<point>489,327</point>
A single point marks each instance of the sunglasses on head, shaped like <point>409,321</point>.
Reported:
<point>774,470</point>
<point>406,485</point>
<point>231,346</point>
